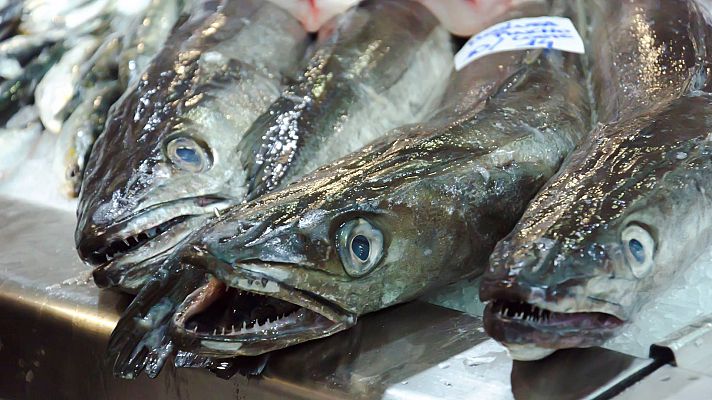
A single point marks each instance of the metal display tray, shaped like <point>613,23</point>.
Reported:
<point>54,326</point>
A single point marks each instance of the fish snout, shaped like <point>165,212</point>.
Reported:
<point>88,242</point>
<point>519,272</point>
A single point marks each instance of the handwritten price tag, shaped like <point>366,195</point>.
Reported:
<point>520,34</point>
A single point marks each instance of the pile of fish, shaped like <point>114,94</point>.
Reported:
<point>62,65</point>
<point>257,186</point>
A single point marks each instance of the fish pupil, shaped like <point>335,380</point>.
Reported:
<point>188,155</point>
<point>636,249</point>
<point>360,247</point>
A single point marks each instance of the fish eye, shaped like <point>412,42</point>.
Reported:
<point>186,154</point>
<point>360,247</point>
<point>639,248</point>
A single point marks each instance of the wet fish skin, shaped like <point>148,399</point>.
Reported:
<point>440,194</point>
<point>567,256</point>
<point>17,51</point>
<point>370,72</point>
<point>441,198</point>
<point>219,71</point>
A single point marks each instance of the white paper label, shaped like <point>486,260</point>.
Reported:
<point>520,34</point>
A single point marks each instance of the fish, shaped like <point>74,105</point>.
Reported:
<point>417,209</point>
<point>371,71</point>
<point>129,44</point>
<point>95,92</point>
<point>166,159</point>
<point>10,16</point>
<point>145,36</point>
<point>609,229</point>
<point>16,92</point>
<point>79,131</point>
<point>57,88</point>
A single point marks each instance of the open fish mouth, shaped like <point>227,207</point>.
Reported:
<point>533,331</point>
<point>144,238</point>
<point>122,246</point>
<point>253,317</point>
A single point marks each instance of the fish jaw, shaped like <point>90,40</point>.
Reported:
<point>532,332</point>
<point>250,312</point>
<point>544,296</point>
<point>124,253</point>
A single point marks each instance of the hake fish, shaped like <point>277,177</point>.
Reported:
<point>418,209</point>
<point>378,66</point>
<point>167,158</point>
<point>629,209</point>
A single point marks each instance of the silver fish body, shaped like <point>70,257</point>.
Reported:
<point>415,210</point>
<point>167,160</point>
<point>377,66</point>
<point>599,239</point>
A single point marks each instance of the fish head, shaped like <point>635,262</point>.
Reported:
<point>163,163</point>
<point>576,290</point>
<point>305,261</point>
<point>599,239</point>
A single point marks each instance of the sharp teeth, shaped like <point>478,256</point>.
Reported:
<point>215,332</point>
<point>244,324</point>
<point>195,330</point>
<point>233,329</point>
<point>126,242</point>
<point>223,331</point>
<point>108,258</point>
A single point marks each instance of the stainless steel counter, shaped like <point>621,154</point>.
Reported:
<point>54,326</point>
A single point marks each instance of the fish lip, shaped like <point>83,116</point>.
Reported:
<point>547,329</point>
<point>113,244</point>
<point>316,317</point>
